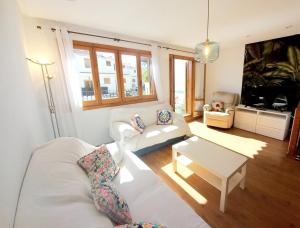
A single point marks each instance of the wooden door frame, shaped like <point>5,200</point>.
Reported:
<point>172,57</point>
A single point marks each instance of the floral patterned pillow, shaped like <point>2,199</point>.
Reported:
<point>109,201</point>
<point>99,164</point>
<point>137,123</point>
<point>164,117</point>
<point>218,106</point>
<point>140,225</point>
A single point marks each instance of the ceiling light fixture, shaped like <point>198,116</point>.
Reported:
<point>208,51</point>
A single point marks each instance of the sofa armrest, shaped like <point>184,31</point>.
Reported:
<point>122,130</point>
<point>207,107</point>
<point>180,121</point>
<point>178,117</point>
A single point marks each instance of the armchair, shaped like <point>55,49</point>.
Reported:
<point>221,119</point>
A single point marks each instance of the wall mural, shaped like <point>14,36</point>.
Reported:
<point>271,77</point>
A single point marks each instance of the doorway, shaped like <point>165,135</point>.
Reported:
<point>182,81</point>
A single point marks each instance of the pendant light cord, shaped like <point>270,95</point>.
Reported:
<point>207,20</point>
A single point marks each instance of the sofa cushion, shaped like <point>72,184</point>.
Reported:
<point>137,123</point>
<point>108,200</point>
<point>164,117</point>
<point>99,164</point>
<point>115,152</point>
<point>155,134</point>
<point>146,112</point>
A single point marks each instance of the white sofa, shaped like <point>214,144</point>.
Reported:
<point>130,140</point>
<point>56,192</point>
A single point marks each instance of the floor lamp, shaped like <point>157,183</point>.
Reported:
<point>47,85</point>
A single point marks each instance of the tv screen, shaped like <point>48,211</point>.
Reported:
<point>271,76</point>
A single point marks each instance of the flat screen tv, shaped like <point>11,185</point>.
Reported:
<point>271,76</point>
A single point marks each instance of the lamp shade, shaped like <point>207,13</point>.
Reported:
<point>207,52</point>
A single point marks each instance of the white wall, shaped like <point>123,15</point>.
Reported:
<point>226,74</point>
<point>21,128</point>
<point>92,125</point>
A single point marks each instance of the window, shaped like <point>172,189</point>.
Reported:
<point>106,80</point>
<point>116,75</point>
<point>82,56</point>
<point>87,63</point>
<point>108,63</point>
<point>107,74</point>
<point>147,83</point>
<point>129,66</point>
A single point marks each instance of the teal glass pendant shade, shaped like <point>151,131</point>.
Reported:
<point>207,52</point>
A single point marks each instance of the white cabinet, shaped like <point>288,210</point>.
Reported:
<point>265,122</point>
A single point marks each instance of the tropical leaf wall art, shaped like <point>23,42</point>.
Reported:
<point>272,69</point>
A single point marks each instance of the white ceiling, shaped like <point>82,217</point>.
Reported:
<point>177,22</point>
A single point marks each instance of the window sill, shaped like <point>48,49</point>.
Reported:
<point>121,103</point>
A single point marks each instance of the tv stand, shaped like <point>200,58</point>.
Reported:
<point>266,122</point>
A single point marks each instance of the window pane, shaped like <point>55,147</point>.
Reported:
<point>130,75</point>
<point>83,66</point>
<point>107,74</point>
<point>146,79</point>
<point>180,86</point>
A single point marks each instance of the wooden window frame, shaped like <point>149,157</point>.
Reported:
<point>152,83</point>
<point>99,102</point>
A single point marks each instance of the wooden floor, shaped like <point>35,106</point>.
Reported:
<point>272,194</point>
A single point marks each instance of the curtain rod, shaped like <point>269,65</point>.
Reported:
<point>117,39</point>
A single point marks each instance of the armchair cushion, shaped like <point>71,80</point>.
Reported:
<point>218,106</point>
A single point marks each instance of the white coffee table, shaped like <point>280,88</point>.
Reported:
<point>221,167</point>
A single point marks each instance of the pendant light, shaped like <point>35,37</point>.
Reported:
<point>208,51</point>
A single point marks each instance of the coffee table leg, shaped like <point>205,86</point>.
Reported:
<point>174,160</point>
<point>224,193</point>
<point>243,173</point>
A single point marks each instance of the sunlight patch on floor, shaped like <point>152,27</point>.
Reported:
<point>168,169</point>
<point>246,146</point>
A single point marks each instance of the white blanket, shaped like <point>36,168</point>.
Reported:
<point>56,192</point>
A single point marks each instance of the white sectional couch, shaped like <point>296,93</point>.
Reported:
<point>56,192</point>
<point>130,140</point>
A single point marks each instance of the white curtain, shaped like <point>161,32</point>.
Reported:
<point>67,94</point>
<point>156,52</point>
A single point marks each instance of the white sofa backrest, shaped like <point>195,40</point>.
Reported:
<point>147,113</point>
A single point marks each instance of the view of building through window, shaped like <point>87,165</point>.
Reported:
<point>111,75</point>
<point>107,74</point>
<point>145,65</point>
<point>129,68</point>
<point>83,65</point>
